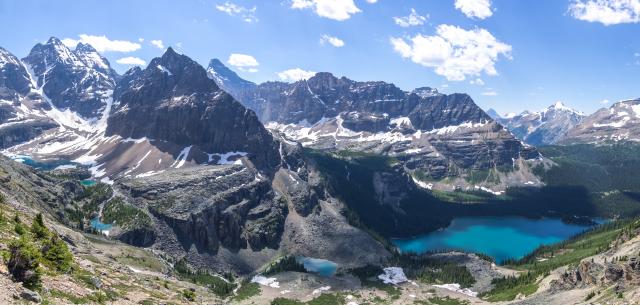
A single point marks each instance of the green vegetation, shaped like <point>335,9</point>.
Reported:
<point>323,299</point>
<point>246,291</point>
<point>36,248</point>
<point>124,215</point>
<point>443,301</point>
<point>478,176</point>
<point>598,168</point>
<point>218,285</point>
<point>99,297</point>
<point>428,269</point>
<point>285,263</point>
<point>189,295</point>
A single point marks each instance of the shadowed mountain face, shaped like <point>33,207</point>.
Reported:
<point>173,100</point>
<point>546,127</point>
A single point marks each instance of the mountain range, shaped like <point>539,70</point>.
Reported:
<point>205,168</point>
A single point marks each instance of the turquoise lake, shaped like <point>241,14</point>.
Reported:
<point>88,182</point>
<point>499,237</point>
<point>322,267</point>
<point>99,225</point>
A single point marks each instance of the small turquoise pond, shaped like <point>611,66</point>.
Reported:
<point>98,225</point>
<point>43,165</point>
<point>322,267</point>
<point>499,237</point>
<point>88,182</point>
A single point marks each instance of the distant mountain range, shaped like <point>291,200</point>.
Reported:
<point>618,123</point>
<point>434,135</point>
<point>559,124</point>
<point>545,127</point>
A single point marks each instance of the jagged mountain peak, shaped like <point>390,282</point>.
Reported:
<point>85,48</point>
<point>79,80</point>
<point>547,126</point>
<point>176,74</point>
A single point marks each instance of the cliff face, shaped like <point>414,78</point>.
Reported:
<point>435,135</point>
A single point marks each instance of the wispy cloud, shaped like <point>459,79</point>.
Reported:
<point>157,43</point>
<point>332,40</point>
<point>413,19</point>
<point>295,74</point>
<point>232,9</point>
<point>103,44</point>
<point>453,52</point>
<point>243,62</point>
<point>477,81</point>
<point>133,61</point>
<point>607,12</point>
<point>333,9</point>
<point>489,93</point>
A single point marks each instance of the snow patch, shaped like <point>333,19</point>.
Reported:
<point>393,275</point>
<point>455,287</point>
<point>321,289</point>
<point>266,281</point>
<point>224,158</point>
<point>422,184</point>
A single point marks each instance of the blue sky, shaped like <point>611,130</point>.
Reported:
<point>509,55</point>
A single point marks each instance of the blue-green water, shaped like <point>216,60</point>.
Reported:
<point>43,165</point>
<point>499,237</point>
<point>88,182</point>
<point>98,225</point>
<point>322,267</point>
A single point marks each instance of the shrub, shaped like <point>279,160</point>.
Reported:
<point>23,262</point>
<point>189,294</point>
<point>57,254</point>
<point>38,228</point>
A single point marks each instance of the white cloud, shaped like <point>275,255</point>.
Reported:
<point>157,43</point>
<point>372,1</point>
<point>412,20</point>
<point>607,12</point>
<point>232,9</point>
<point>103,44</point>
<point>453,52</point>
<point>604,102</point>
<point>332,40</point>
<point>135,61</point>
<point>480,9</point>
<point>333,9</point>
<point>489,93</point>
<point>477,81</point>
<point>243,62</point>
<point>296,74</point>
